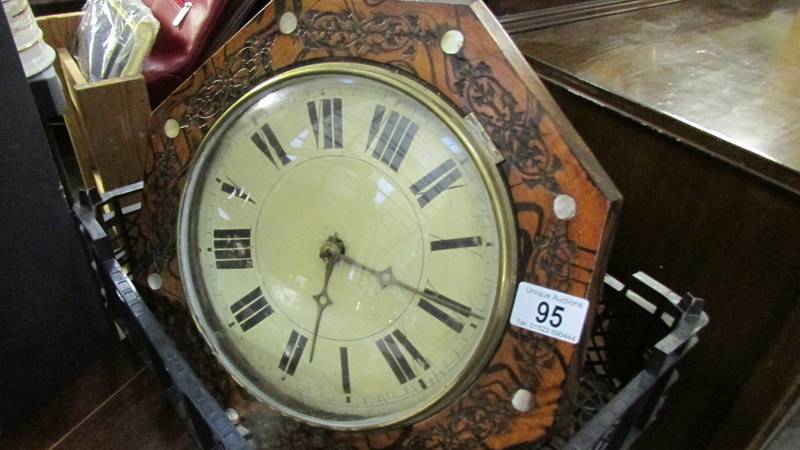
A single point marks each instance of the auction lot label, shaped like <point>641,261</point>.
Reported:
<point>548,312</point>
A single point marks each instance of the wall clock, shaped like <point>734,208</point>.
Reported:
<point>338,206</point>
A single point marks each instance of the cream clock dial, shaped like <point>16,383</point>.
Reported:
<point>345,247</point>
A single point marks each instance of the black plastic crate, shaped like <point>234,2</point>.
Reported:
<point>641,331</point>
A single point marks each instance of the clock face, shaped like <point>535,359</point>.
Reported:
<point>345,246</point>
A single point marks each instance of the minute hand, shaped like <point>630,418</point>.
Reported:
<point>386,278</point>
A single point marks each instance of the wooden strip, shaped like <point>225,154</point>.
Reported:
<point>70,77</point>
<point>559,15</point>
<point>58,30</point>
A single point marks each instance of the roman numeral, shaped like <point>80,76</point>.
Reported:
<point>447,244</point>
<point>251,309</point>
<point>435,182</point>
<point>292,352</point>
<point>269,146</point>
<point>345,371</point>
<point>449,303</point>
<point>235,191</point>
<point>331,122</point>
<point>440,315</point>
<point>389,347</point>
<point>232,249</point>
<point>396,135</point>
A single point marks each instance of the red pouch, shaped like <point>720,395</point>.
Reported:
<point>186,27</point>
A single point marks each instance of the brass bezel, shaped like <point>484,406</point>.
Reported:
<point>485,161</point>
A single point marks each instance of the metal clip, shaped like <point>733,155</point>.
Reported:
<point>176,22</point>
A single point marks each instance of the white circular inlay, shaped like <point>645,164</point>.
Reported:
<point>154,281</point>
<point>172,128</point>
<point>522,400</point>
<point>564,207</point>
<point>452,41</point>
<point>287,23</point>
<point>233,415</point>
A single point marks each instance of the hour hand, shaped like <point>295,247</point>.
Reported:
<point>330,252</point>
<point>323,300</point>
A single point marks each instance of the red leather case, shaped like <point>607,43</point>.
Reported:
<point>177,50</point>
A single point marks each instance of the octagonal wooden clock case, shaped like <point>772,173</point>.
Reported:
<point>338,208</point>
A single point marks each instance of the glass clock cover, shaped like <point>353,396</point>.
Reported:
<point>344,246</point>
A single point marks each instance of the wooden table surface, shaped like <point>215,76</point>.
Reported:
<point>720,74</point>
<point>115,403</point>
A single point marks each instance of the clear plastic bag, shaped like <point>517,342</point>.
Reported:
<point>114,38</point>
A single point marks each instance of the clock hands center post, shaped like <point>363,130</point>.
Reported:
<point>330,252</point>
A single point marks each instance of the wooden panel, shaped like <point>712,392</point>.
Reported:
<point>693,90</point>
<point>520,16</point>
<point>113,403</point>
<point>702,225</point>
<point>544,158</point>
<point>768,395</point>
<point>115,114</point>
<point>76,400</point>
<point>58,30</point>
<point>501,7</point>
<point>107,122</point>
<point>137,416</point>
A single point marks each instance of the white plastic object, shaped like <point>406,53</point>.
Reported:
<point>36,58</point>
<point>21,20</point>
<point>14,7</point>
<point>35,55</point>
<point>25,35</point>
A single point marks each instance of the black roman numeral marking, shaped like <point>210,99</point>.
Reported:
<point>390,350</point>
<point>411,349</point>
<point>331,122</point>
<point>235,191</point>
<point>232,249</point>
<point>447,244</point>
<point>435,182</point>
<point>375,125</point>
<point>251,309</point>
<point>440,315</point>
<point>270,145</point>
<point>345,371</point>
<point>448,302</point>
<point>395,138</point>
<point>292,352</point>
